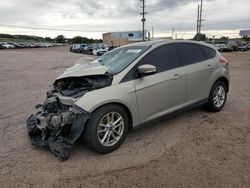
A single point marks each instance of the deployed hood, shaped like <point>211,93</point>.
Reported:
<point>84,69</point>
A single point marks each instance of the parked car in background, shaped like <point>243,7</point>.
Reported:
<point>89,50</point>
<point>97,50</point>
<point>7,45</point>
<point>82,48</point>
<point>111,48</point>
<point>248,45</point>
<point>58,44</point>
<point>1,46</point>
<point>25,45</point>
<point>19,45</point>
<point>127,87</point>
<point>12,44</point>
<point>32,45</point>
<point>220,47</point>
<point>241,47</point>
<point>47,45</point>
<point>74,47</point>
<point>71,48</point>
<point>227,48</point>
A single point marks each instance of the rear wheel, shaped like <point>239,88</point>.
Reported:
<point>106,129</point>
<point>217,97</point>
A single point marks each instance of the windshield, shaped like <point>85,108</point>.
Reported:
<point>118,59</point>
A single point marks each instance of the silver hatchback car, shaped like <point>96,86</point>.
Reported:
<point>126,87</point>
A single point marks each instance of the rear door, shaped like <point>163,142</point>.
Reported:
<point>166,89</point>
<point>198,69</point>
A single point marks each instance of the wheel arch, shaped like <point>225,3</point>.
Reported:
<point>130,117</point>
<point>225,81</point>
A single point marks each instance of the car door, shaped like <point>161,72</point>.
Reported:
<point>198,70</point>
<point>163,91</point>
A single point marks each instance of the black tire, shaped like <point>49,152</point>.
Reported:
<point>211,106</point>
<point>90,136</point>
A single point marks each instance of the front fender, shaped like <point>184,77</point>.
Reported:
<point>123,93</point>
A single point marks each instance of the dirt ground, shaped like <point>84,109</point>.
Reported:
<point>192,149</point>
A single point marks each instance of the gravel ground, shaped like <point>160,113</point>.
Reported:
<point>192,149</point>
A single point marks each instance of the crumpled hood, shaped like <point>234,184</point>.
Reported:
<point>85,69</point>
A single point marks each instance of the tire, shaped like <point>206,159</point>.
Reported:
<point>217,98</point>
<point>97,128</point>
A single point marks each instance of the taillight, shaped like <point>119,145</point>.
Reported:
<point>223,60</point>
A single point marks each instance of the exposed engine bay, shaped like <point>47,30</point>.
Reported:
<point>59,123</point>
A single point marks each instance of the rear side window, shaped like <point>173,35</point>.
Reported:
<point>190,53</point>
<point>209,52</point>
<point>164,58</point>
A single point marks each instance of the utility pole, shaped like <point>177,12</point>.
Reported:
<point>198,20</point>
<point>152,32</point>
<point>173,33</point>
<point>201,16</point>
<point>143,19</point>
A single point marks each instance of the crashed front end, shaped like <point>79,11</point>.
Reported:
<point>59,122</point>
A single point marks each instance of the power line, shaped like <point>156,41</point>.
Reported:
<point>228,22</point>
<point>48,29</point>
<point>54,4</point>
<point>91,30</point>
<point>160,8</point>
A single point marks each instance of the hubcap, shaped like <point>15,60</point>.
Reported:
<point>219,96</point>
<point>110,129</point>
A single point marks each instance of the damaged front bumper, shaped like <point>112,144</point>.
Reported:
<point>57,125</point>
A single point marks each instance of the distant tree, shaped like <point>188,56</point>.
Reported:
<point>79,39</point>
<point>48,39</point>
<point>100,41</point>
<point>224,38</point>
<point>6,36</point>
<point>246,38</point>
<point>91,40</point>
<point>60,39</point>
<point>200,37</point>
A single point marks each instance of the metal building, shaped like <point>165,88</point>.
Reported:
<point>244,33</point>
<point>123,38</point>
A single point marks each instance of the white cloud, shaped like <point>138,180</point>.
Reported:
<point>95,17</point>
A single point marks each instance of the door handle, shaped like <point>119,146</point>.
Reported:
<point>176,76</point>
<point>208,67</point>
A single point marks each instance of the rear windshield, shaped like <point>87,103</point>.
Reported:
<point>118,59</point>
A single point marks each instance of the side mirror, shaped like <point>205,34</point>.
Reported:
<point>146,69</point>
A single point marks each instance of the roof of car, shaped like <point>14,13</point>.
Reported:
<point>148,43</point>
<point>166,41</point>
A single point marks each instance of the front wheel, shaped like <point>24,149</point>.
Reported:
<point>106,129</point>
<point>217,97</point>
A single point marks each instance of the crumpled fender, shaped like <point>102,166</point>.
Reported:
<point>77,127</point>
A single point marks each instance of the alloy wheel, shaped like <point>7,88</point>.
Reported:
<point>219,96</point>
<point>110,129</point>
